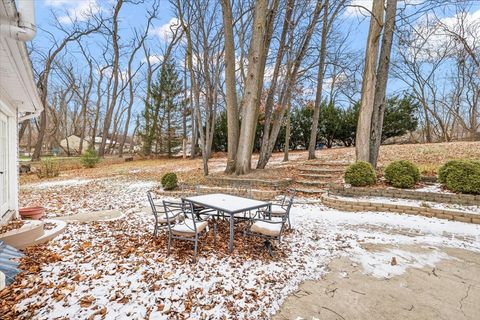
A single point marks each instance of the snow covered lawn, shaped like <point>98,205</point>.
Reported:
<point>116,270</point>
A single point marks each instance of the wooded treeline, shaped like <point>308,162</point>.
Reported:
<point>258,69</point>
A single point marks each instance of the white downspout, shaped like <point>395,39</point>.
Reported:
<point>29,116</point>
<point>26,28</point>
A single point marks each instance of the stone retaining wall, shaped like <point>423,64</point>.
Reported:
<point>463,199</point>
<point>356,205</point>
<point>249,182</point>
<point>254,194</point>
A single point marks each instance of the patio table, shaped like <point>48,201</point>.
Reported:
<point>229,205</point>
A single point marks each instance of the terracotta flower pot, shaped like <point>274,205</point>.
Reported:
<point>32,213</point>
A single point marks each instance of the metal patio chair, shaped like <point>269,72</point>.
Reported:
<point>267,228</point>
<point>282,207</point>
<point>188,229</point>
<point>161,220</point>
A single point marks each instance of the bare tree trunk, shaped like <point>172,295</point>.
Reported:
<point>195,89</point>
<point>381,85</point>
<point>29,137</point>
<point>362,140</point>
<point>288,86</point>
<point>318,97</point>
<point>287,136</point>
<point>230,84</point>
<point>184,113</point>
<point>23,127</point>
<point>115,71</point>
<point>252,88</point>
<point>42,83</point>
<point>85,101</point>
<point>273,86</point>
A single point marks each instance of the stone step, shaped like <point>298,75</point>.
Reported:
<point>318,163</point>
<point>321,170</point>
<point>314,183</point>
<point>317,176</point>
<point>310,190</point>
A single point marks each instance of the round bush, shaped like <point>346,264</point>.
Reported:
<point>446,168</point>
<point>462,176</point>
<point>169,181</point>
<point>90,158</point>
<point>360,174</point>
<point>402,174</point>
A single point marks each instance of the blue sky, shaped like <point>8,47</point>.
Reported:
<point>353,19</point>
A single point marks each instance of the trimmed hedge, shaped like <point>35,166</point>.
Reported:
<point>360,174</point>
<point>402,174</point>
<point>169,181</point>
<point>461,176</point>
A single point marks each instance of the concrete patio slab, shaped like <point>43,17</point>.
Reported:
<point>449,290</point>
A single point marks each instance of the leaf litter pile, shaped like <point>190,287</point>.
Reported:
<point>116,269</point>
<point>98,270</point>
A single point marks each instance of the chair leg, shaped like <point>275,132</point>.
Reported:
<point>289,224</point>
<point>215,232</point>
<point>195,251</point>
<point>169,244</point>
<point>268,245</point>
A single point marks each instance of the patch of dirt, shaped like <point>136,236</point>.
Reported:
<point>449,290</point>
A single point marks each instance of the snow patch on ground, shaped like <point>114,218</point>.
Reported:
<point>379,264</point>
<point>56,184</point>
<point>435,188</point>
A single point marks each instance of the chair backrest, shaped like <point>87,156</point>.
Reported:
<point>175,209</point>
<point>152,204</point>
<point>288,198</point>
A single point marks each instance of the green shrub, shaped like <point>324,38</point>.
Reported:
<point>446,168</point>
<point>402,174</point>
<point>48,169</point>
<point>90,158</point>
<point>360,174</point>
<point>169,181</point>
<point>461,176</point>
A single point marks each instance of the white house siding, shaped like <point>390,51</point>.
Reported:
<point>10,176</point>
<point>18,93</point>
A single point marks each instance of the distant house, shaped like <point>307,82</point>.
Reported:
<point>71,144</point>
<point>19,98</point>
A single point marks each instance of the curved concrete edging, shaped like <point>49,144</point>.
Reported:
<point>2,280</point>
<point>21,237</point>
<point>33,233</point>
<point>356,205</point>
<point>49,234</point>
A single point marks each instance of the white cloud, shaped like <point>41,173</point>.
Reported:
<point>79,10</point>
<point>164,32</point>
<point>438,37</point>
<point>154,58</point>
<point>364,7</point>
<point>359,8</point>
<point>57,3</point>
